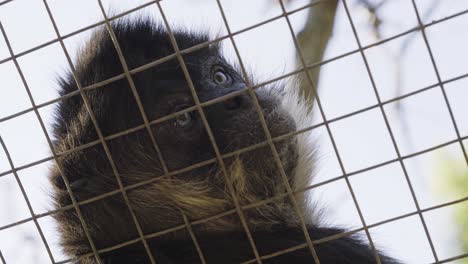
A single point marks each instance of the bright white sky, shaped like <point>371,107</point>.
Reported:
<point>362,140</point>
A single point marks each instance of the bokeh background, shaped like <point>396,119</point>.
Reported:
<point>420,119</point>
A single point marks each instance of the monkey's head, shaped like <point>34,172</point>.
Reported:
<point>182,140</point>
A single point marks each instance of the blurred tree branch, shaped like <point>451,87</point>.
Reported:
<point>313,40</point>
<point>375,20</point>
<point>314,37</point>
<point>398,58</point>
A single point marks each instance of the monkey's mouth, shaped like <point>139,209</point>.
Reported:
<point>262,156</point>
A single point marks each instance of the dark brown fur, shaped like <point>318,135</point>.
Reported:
<point>199,193</point>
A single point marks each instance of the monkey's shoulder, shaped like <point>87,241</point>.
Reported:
<point>234,247</point>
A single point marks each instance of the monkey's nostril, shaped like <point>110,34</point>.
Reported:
<point>233,103</point>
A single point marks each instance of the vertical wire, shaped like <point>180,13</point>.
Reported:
<point>49,142</point>
<point>270,141</point>
<point>390,131</point>
<point>210,134</point>
<point>332,139</point>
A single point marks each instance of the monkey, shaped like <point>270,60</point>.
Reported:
<point>172,139</point>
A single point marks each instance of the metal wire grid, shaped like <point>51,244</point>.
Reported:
<point>219,158</point>
<point>2,258</point>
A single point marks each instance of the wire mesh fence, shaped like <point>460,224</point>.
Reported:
<point>345,174</point>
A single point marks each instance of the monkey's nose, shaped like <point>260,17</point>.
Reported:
<point>234,103</point>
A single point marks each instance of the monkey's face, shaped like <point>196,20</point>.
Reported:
<point>232,119</point>
<point>234,122</point>
<point>228,119</point>
<point>180,141</point>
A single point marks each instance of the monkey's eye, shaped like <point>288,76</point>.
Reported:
<point>184,120</point>
<point>220,77</point>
